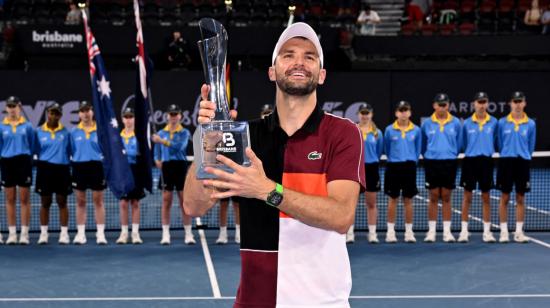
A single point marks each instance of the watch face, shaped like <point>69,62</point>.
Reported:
<point>275,199</point>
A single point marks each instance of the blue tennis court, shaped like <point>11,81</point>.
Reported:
<point>151,275</point>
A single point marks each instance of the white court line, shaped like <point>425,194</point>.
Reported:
<point>198,298</point>
<point>532,239</point>
<point>108,299</point>
<point>209,264</point>
<point>451,296</point>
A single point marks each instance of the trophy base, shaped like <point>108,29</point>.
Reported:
<point>228,138</point>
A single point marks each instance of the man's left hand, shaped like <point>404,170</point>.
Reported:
<point>248,182</point>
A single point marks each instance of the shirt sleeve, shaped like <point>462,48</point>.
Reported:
<point>424,138</point>
<point>387,143</point>
<point>499,136</point>
<point>347,156</point>
<point>157,152</point>
<point>181,145</point>
<point>380,144</point>
<point>31,138</point>
<point>459,141</point>
<point>419,143</point>
<point>532,137</point>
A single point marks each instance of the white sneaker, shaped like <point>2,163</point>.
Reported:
<point>519,237</point>
<point>43,239</point>
<point>79,239</point>
<point>409,237</point>
<point>430,237</point>
<point>123,238</point>
<point>136,239</point>
<point>189,239</point>
<point>12,239</point>
<point>1,239</point>
<point>237,237</point>
<point>372,238</point>
<point>165,239</point>
<point>100,239</point>
<point>64,239</point>
<point>222,238</point>
<point>390,237</point>
<point>488,237</point>
<point>448,237</point>
<point>23,239</point>
<point>350,237</point>
<point>504,237</point>
<point>464,237</point>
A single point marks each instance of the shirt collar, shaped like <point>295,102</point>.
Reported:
<point>403,131</point>
<point>52,131</point>
<point>443,122</point>
<point>87,129</point>
<point>125,135</point>
<point>481,122</point>
<point>20,121</point>
<point>310,126</point>
<point>524,119</point>
<point>178,128</point>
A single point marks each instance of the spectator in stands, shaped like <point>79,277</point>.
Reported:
<point>413,14</point>
<point>178,52</point>
<point>74,16</point>
<point>532,18</point>
<point>367,20</point>
<point>545,20</point>
<point>267,109</point>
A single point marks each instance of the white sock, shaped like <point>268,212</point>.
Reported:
<point>135,228</point>
<point>464,226</point>
<point>223,230</point>
<point>486,227</point>
<point>446,226</point>
<point>44,229</point>
<point>431,225</point>
<point>166,229</point>
<point>25,230</point>
<point>519,226</point>
<point>64,230</point>
<point>408,227</point>
<point>81,229</point>
<point>12,229</point>
<point>503,227</point>
<point>124,229</point>
<point>391,227</point>
<point>101,228</point>
<point>187,229</point>
<point>237,228</point>
<point>372,229</point>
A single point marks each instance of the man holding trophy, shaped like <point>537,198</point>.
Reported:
<point>300,179</point>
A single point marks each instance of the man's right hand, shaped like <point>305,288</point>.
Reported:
<point>207,109</point>
<point>158,164</point>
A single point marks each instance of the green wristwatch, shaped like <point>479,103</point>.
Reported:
<point>275,197</point>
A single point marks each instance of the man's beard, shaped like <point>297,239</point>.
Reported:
<point>294,89</point>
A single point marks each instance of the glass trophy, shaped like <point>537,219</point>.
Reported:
<point>222,135</point>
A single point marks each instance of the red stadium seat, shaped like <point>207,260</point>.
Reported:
<point>428,29</point>
<point>408,29</point>
<point>447,30</point>
<point>466,28</point>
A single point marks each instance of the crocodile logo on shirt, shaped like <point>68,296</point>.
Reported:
<point>314,155</point>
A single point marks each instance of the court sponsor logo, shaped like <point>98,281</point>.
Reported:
<point>56,39</point>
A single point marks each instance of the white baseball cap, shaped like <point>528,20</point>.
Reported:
<point>298,29</point>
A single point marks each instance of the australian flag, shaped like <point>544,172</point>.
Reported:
<point>143,109</point>
<point>115,163</point>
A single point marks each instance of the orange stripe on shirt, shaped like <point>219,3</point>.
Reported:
<point>306,183</point>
